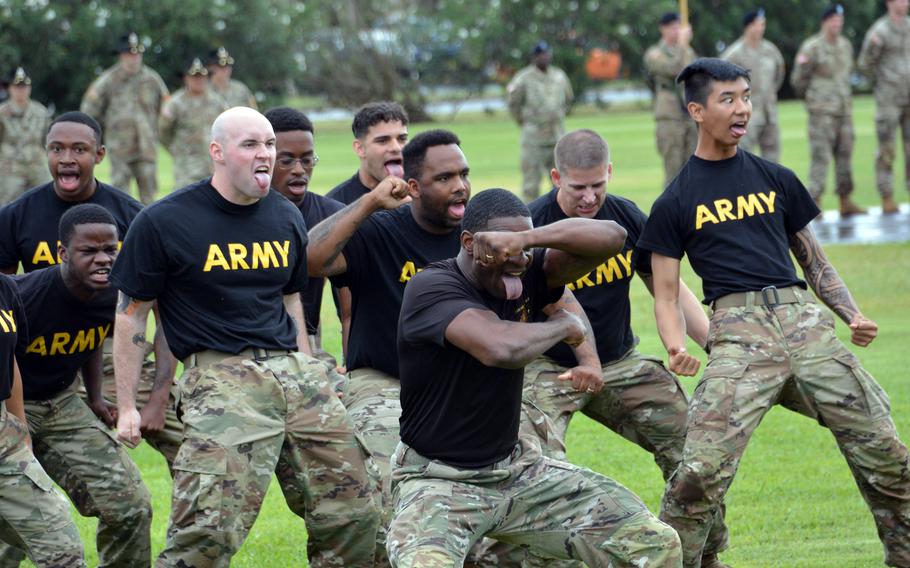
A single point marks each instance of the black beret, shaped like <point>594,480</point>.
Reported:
<point>668,18</point>
<point>832,10</point>
<point>753,15</point>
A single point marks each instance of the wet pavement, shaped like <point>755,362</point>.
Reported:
<point>864,229</point>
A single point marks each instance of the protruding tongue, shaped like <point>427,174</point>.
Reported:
<point>456,210</point>
<point>394,169</point>
<point>739,130</point>
<point>513,286</point>
<point>263,179</point>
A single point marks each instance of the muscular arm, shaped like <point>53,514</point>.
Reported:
<point>294,307</point>
<point>92,378</point>
<point>586,376</point>
<point>671,323</point>
<point>129,352</point>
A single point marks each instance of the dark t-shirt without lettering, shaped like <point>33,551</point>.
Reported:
<point>733,218</point>
<point>454,408</point>
<point>218,270</point>
<point>13,332</point>
<point>28,225</point>
<point>349,191</point>
<point>315,208</point>
<point>603,292</point>
<point>64,331</point>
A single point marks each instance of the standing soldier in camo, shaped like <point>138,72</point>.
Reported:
<point>540,95</point>
<point>23,124</point>
<point>221,67</point>
<point>885,57</point>
<point>766,66</point>
<point>674,130</point>
<point>127,99</point>
<point>822,74</point>
<point>186,122</point>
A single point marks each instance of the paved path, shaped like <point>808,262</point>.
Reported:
<point>864,229</point>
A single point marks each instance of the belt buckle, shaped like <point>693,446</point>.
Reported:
<point>775,295</point>
<point>260,355</point>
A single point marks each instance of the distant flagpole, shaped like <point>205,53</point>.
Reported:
<point>684,12</point>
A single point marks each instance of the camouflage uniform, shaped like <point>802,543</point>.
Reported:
<point>825,82</point>
<point>245,419</point>
<point>888,63</point>
<point>185,126</point>
<point>23,163</point>
<point>675,132</point>
<point>548,507</point>
<point>85,459</point>
<point>33,514</point>
<point>767,70</point>
<point>539,101</point>
<point>790,354</point>
<point>127,106</point>
<point>236,94</point>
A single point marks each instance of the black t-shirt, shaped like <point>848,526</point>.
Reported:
<point>63,330</point>
<point>315,208</point>
<point>13,332</point>
<point>733,218</point>
<point>384,253</point>
<point>219,270</point>
<point>349,191</point>
<point>453,407</point>
<point>603,292</point>
<point>28,225</point>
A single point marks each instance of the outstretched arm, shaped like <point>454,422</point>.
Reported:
<point>129,352</point>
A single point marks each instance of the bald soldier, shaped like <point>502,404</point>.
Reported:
<point>23,123</point>
<point>126,99</point>
<point>221,68</point>
<point>884,57</point>
<point>766,66</point>
<point>674,130</point>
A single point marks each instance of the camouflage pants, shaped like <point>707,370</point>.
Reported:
<point>830,136</point>
<point>766,136</point>
<point>145,172</point>
<point>788,354</point>
<point>552,508</point>
<point>676,141</point>
<point>34,516</point>
<point>84,458</point>
<point>244,419</point>
<point>888,119</point>
<point>15,182</point>
<point>536,162</point>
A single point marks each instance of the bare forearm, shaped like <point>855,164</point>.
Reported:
<point>165,366</point>
<point>514,345</point>
<point>328,238</point>
<point>586,352</point>
<point>294,307</point>
<point>696,321</point>
<point>670,325</point>
<point>821,276</point>
<point>92,376</point>
<point>586,238</point>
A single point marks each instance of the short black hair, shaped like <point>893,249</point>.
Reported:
<point>82,214</point>
<point>490,204</point>
<point>80,118</point>
<point>416,149</point>
<point>372,114</point>
<point>287,119</point>
<point>699,76</point>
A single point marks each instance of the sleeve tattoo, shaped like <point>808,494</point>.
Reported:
<point>821,276</point>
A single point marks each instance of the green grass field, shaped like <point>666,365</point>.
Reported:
<point>794,502</point>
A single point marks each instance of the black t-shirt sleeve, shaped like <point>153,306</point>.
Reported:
<point>642,257</point>
<point>9,256</point>
<point>434,298</point>
<point>662,233</point>
<point>801,209</point>
<point>140,271</point>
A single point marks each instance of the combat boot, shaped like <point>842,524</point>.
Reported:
<point>889,206</point>
<point>712,561</point>
<point>848,207</point>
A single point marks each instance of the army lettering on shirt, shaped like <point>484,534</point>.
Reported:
<point>64,331</point>
<point>733,218</point>
<point>218,270</point>
<point>603,292</point>
<point>315,208</point>
<point>349,191</point>
<point>388,248</point>
<point>13,332</point>
<point>453,407</point>
<point>28,225</point>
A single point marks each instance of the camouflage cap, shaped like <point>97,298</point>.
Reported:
<point>20,77</point>
<point>220,57</point>
<point>129,43</point>
<point>195,67</point>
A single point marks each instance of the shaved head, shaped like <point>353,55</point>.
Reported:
<point>233,119</point>
<point>243,155</point>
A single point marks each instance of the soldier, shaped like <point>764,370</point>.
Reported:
<point>34,516</point>
<point>766,66</point>
<point>126,99</point>
<point>221,66</point>
<point>822,74</point>
<point>460,471</point>
<point>884,57</point>
<point>23,124</point>
<point>69,309</point>
<point>540,96</point>
<point>769,341</point>
<point>674,130</point>
<point>185,124</point>
<point>226,259</point>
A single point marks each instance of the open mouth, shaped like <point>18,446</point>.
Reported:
<point>511,281</point>
<point>101,275</point>
<point>263,176</point>
<point>394,168</point>
<point>738,129</point>
<point>298,186</point>
<point>456,208</point>
<point>68,180</point>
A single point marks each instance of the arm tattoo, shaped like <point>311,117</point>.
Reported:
<point>323,231</point>
<point>139,340</point>
<point>821,276</point>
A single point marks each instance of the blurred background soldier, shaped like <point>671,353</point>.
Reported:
<point>766,67</point>
<point>540,95</point>
<point>126,99</point>
<point>23,124</point>
<point>822,74</point>
<point>221,67</point>
<point>675,131</point>
<point>884,57</point>
<point>186,124</point>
